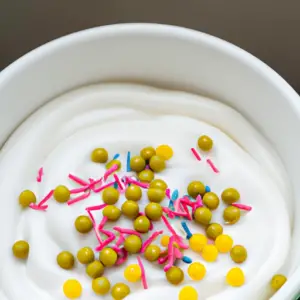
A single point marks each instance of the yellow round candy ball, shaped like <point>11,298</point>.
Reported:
<point>278,281</point>
<point>224,243</point>
<point>235,277</point>
<point>210,253</point>
<point>188,293</point>
<point>72,289</point>
<point>196,271</point>
<point>133,273</point>
<point>197,242</point>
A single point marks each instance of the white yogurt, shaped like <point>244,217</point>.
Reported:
<point>125,117</point>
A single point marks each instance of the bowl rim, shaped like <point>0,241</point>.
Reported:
<point>185,34</point>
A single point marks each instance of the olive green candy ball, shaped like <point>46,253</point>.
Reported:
<point>85,255</point>
<point>112,213</point>
<point>153,211</point>
<point>61,194</point>
<point>214,230</point>
<point>158,184</point>
<point>147,153</point>
<point>175,275</point>
<point>152,253</point>
<point>83,224</point>
<point>110,195</point>
<point>146,176</point>
<point>156,195</point>
<point>112,163</point>
<point>211,200</point>
<point>101,285</point>
<point>120,291</point>
<point>95,269</point>
<point>133,244</point>
<point>130,209</point>
<point>141,224</point>
<point>157,163</point>
<point>202,215</point>
<point>20,249</point>
<point>196,188</point>
<point>108,257</point>
<point>231,214</point>
<point>65,260</point>
<point>238,254</point>
<point>26,198</point>
<point>133,192</point>
<point>205,143</point>
<point>99,155</point>
<point>230,196</point>
<point>137,163</point>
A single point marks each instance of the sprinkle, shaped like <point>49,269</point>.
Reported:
<point>102,223</point>
<point>116,156</point>
<point>212,165</point>
<point>135,182</point>
<point>110,171</point>
<point>162,260</point>
<point>187,230</point>
<point>171,254</point>
<point>168,193</point>
<point>188,215</point>
<point>103,187</point>
<point>144,280</point>
<point>126,231</point>
<point>242,206</point>
<point>175,195</point>
<point>96,207</point>
<point>122,256</point>
<point>196,154</point>
<point>80,198</point>
<point>78,190</point>
<point>40,175</point>
<point>110,238</point>
<point>168,225</point>
<point>177,253</point>
<point>47,197</point>
<point>120,240</point>
<point>207,189</point>
<point>37,207</point>
<point>119,182</point>
<point>128,162</point>
<point>199,202</point>
<point>187,260</point>
<point>150,240</point>
<point>78,180</point>
<point>171,205</point>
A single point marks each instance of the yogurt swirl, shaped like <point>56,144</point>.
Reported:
<point>127,117</point>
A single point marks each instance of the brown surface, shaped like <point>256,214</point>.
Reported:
<point>269,29</point>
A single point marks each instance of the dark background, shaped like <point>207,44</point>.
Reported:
<point>269,29</point>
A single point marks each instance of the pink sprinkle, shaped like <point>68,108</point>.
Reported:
<point>120,240</point>
<point>103,222</point>
<point>122,256</point>
<point>91,216</point>
<point>187,211</point>
<point>110,238</point>
<point>80,198</point>
<point>126,231</point>
<point>171,253</point>
<point>97,233</point>
<point>144,281</point>
<point>242,206</point>
<point>103,187</point>
<point>171,214</point>
<point>162,260</point>
<point>196,154</point>
<point>78,180</point>
<point>187,201</point>
<point>168,225</point>
<point>40,175</point>
<point>119,182</point>
<point>47,197</point>
<point>110,171</point>
<point>140,184</point>
<point>97,207</point>
<point>150,240</point>
<point>168,193</point>
<point>212,165</point>
<point>37,207</point>
<point>78,190</point>
<point>177,253</point>
<point>198,203</point>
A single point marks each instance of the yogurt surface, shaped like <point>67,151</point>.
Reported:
<point>126,117</point>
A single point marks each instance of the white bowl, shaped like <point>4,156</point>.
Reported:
<point>167,56</point>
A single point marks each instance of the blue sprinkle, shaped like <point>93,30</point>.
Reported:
<point>187,230</point>
<point>116,156</point>
<point>175,195</point>
<point>187,260</point>
<point>207,189</point>
<point>116,185</point>
<point>128,162</point>
<point>171,205</point>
